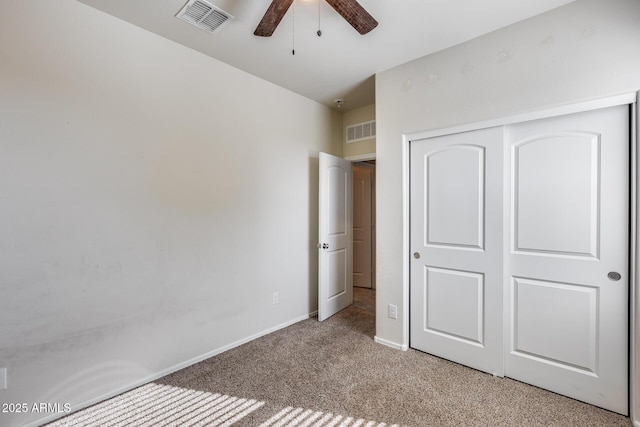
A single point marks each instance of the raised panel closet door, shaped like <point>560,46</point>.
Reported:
<point>568,264</point>
<point>456,248</point>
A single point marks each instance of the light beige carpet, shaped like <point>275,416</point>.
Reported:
<point>164,405</point>
<point>365,299</point>
<point>333,374</point>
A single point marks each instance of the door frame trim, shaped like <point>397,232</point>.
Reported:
<point>634,262</point>
<point>613,101</point>
<point>630,98</point>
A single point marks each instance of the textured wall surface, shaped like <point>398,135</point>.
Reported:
<point>150,204</point>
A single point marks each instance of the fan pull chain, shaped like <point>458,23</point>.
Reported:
<point>319,33</point>
<point>293,31</point>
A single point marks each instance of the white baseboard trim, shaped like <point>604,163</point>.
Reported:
<point>89,402</point>
<point>392,344</point>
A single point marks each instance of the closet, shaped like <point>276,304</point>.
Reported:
<point>519,251</point>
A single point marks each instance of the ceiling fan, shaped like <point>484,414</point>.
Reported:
<point>350,10</point>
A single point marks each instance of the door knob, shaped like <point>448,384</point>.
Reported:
<point>416,255</point>
<point>614,275</point>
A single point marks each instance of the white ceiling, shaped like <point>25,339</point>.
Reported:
<point>341,63</point>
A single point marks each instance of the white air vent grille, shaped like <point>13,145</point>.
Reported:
<point>204,15</point>
<point>361,131</point>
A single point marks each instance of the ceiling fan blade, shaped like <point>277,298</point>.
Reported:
<point>355,15</point>
<point>272,17</point>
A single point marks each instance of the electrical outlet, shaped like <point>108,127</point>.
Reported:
<point>276,298</point>
<point>393,311</point>
<point>3,378</point>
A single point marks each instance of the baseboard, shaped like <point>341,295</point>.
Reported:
<point>89,402</point>
<point>394,345</point>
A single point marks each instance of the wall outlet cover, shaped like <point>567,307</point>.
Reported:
<point>393,311</point>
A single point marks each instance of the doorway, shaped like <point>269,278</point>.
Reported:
<point>338,221</point>
<point>364,240</point>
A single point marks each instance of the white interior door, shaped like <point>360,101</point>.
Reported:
<point>568,265</point>
<point>335,279</point>
<point>362,225</point>
<point>456,270</point>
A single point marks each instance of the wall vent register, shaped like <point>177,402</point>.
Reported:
<point>361,131</point>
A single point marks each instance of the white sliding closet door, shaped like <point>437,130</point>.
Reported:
<point>457,249</point>
<point>568,265</point>
<point>519,240</point>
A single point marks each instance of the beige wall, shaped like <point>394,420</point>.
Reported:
<point>150,204</point>
<point>585,50</point>
<point>360,149</point>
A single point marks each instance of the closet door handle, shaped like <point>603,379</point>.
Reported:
<point>614,275</point>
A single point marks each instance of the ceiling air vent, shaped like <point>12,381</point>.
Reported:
<point>204,15</point>
<point>361,131</point>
